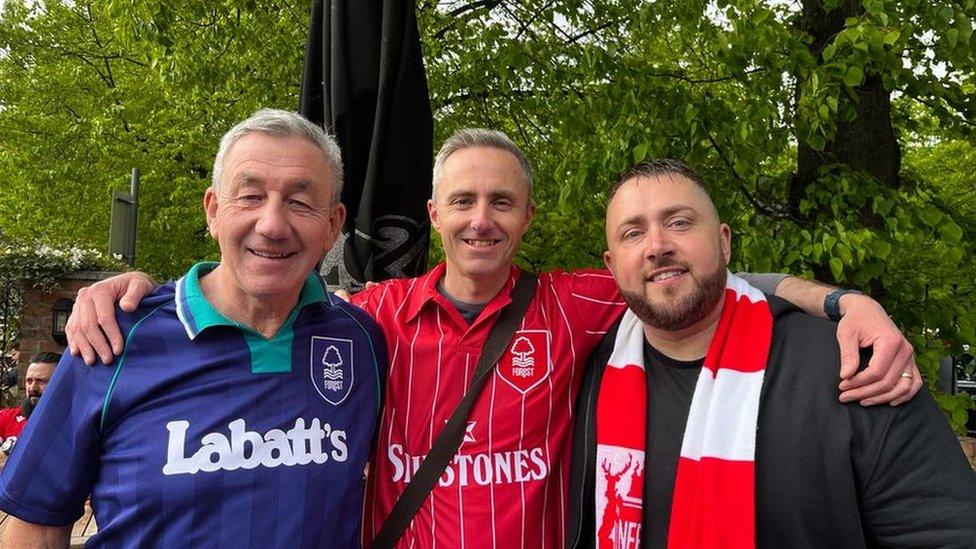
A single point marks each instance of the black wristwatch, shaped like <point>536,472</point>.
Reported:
<point>831,304</point>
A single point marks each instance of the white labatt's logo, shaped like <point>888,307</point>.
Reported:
<point>331,367</point>
<point>243,449</point>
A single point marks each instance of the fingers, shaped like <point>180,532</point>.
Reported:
<point>900,392</point>
<point>916,386</point>
<point>850,351</point>
<point>883,381</point>
<point>134,292</point>
<point>369,284</point>
<point>343,295</point>
<point>103,300</point>
<point>80,324</point>
<point>883,353</point>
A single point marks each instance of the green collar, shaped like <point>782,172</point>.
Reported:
<point>197,313</point>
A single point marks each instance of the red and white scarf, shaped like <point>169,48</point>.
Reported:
<point>714,489</point>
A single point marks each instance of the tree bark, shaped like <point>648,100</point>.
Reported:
<point>866,144</point>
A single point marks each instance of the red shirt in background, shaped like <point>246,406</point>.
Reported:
<point>12,422</point>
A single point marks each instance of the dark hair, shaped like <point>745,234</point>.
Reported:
<point>46,357</point>
<point>658,166</point>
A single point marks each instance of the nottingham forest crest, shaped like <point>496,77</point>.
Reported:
<point>331,367</point>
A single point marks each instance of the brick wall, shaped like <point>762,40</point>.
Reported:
<point>35,316</point>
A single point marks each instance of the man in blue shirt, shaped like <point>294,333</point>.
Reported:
<point>243,406</point>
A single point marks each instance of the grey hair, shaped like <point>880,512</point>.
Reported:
<point>479,137</point>
<point>280,123</point>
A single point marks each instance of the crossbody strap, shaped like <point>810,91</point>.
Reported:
<point>449,439</point>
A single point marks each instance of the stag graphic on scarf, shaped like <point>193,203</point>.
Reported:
<point>619,529</point>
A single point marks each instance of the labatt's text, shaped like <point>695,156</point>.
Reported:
<point>245,449</point>
<point>482,469</point>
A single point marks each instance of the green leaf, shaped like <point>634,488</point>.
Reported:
<point>640,152</point>
<point>950,232</point>
<point>816,142</point>
<point>829,242</point>
<point>945,14</point>
<point>853,77</point>
<point>891,37</point>
<point>951,38</point>
<point>930,216</point>
<point>836,268</point>
<point>829,51</point>
<point>881,248</point>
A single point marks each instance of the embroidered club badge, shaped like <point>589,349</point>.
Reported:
<point>526,363</point>
<point>331,368</point>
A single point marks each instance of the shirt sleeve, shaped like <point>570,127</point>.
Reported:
<point>918,489</point>
<point>51,469</point>
<point>370,300</point>
<point>765,282</point>
<point>595,297</point>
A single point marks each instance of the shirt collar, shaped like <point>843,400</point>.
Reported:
<point>197,314</point>
<point>427,293</point>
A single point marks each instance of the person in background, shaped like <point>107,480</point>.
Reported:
<point>13,420</point>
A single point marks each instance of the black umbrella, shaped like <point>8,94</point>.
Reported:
<point>364,80</point>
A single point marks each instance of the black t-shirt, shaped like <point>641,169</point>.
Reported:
<point>670,387</point>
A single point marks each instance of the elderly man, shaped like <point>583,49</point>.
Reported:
<point>507,485</point>
<point>13,420</point>
<point>707,420</point>
<point>241,410</point>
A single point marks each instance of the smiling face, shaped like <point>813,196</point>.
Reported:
<point>667,250</point>
<point>273,217</point>
<point>481,209</point>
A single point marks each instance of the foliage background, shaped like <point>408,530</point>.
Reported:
<point>838,136</point>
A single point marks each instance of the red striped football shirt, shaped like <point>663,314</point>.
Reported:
<point>508,484</point>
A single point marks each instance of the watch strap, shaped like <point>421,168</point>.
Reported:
<point>831,304</point>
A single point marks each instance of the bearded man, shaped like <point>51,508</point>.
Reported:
<point>725,397</point>
<point>13,420</point>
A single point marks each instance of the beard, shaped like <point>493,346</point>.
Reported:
<point>673,314</point>
<point>26,407</point>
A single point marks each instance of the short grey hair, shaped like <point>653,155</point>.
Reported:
<point>281,123</point>
<point>479,137</point>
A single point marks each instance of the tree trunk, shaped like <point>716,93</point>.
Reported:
<point>867,143</point>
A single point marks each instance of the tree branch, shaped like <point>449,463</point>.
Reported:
<point>775,213</point>
<point>456,13</point>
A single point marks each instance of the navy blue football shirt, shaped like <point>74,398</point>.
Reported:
<point>204,433</point>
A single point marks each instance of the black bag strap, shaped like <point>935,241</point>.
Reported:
<point>449,439</point>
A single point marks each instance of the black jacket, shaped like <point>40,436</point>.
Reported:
<point>827,474</point>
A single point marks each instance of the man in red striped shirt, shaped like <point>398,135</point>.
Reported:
<point>508,484</point>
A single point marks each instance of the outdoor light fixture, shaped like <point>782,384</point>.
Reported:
<point>59,317</point>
